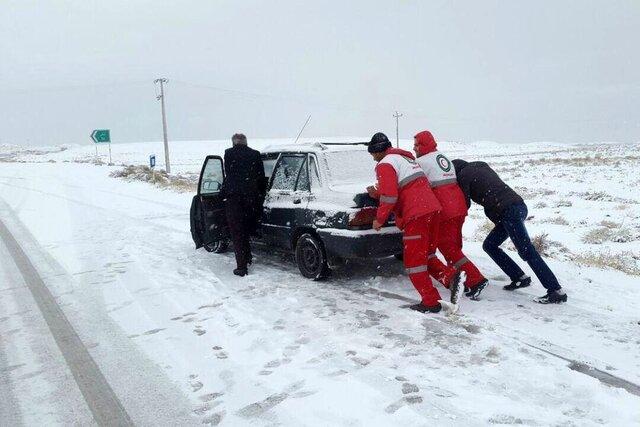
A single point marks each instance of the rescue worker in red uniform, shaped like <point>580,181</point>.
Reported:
<point>404,189</point>
<point>442,177</point>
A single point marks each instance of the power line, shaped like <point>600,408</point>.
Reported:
<point>40,89</point>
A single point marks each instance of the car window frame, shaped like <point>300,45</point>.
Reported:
<point>317,167</point>
<point>277,165</point>
<point>207,159</point>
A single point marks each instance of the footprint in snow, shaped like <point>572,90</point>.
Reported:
<point>328,355</point>
<point>258,409</point>
<point>291,350</point>
<point>212,305</point>
<point>279,325</point>
<point>408,388</point>
<point>153,331</point>
<point>206,407</point>
<point>199,331</point>
<point>337,373</point>
<point>406,400</point>
<point>214,419</point>
<point>272,364</point>
<point>360,361</point>
<point>303,340</point>
<point>210,396</point>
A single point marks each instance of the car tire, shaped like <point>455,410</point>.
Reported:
<point>217,246</point>
<point>311,257</point>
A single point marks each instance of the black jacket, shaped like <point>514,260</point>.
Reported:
<point>244,172</point>
<point>482,184</point>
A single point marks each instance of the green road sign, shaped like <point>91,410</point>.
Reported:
<point>101,135</point>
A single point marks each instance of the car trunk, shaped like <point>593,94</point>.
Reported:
<point>362,207</point>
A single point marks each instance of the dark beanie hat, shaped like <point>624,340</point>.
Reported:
<point>379,143</point>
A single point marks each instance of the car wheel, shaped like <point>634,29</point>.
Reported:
<point>217,246</point>
<point>311,257</point>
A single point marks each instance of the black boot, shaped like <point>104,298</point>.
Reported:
<point>240,272</point>
<point>474,292</point>
<point>456,287</point>
<point>425,308</point>
<point>522,282</point>
<point>553,297</point>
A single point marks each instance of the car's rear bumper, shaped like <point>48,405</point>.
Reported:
<point>361,243</point>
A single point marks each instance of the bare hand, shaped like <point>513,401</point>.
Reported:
<point>373,192</point>
<point>376,225</point>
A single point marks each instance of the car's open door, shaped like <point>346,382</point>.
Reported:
<point>208,218</point>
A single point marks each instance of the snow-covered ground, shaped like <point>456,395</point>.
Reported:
<point>177,335</point>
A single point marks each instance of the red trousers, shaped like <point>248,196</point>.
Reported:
<point>450,246</point>
<point>419,241</point>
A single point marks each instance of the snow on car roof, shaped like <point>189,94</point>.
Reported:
<point>315,147</point>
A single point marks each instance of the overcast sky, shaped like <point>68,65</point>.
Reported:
<point>468,70</point>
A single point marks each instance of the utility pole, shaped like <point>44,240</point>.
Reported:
<point>397,116</point>
<point>160,97</point>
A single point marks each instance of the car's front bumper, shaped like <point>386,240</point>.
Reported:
<point>344,243</point>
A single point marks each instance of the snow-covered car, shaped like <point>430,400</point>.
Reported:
<point>316,206</point>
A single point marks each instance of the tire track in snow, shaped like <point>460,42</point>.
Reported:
<point>102,401</point>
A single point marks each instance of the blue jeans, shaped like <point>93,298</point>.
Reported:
<point>512,225</point>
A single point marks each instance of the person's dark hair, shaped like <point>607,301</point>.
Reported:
<point>379,143</point>
<point>239,138</point>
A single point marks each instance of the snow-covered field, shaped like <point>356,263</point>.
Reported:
<point>179,337</point>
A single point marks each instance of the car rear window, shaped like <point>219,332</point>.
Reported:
<point>346,167</point>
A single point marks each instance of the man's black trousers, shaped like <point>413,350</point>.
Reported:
<point>242,217</point>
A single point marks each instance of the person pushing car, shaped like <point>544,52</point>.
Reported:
<point>404,189</point>
<point>506,209</point>
<point>442,177</point>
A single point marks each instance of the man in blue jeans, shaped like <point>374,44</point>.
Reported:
<point>506,209</point>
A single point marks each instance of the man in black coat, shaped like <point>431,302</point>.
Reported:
<point>506,209</point>
<point>244,190</point>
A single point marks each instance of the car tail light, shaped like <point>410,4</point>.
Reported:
<point>362,219</point>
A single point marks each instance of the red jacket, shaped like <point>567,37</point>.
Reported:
<point>442,176</point>
<point>403,188</point>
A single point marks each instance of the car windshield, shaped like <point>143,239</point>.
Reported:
<point>351,167</point>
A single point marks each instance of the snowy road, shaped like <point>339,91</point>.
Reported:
<point>104,404</point>
<point>180,340</point>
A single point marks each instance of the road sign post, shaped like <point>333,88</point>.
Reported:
<point>152,165</point>
<point>100,136</point>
